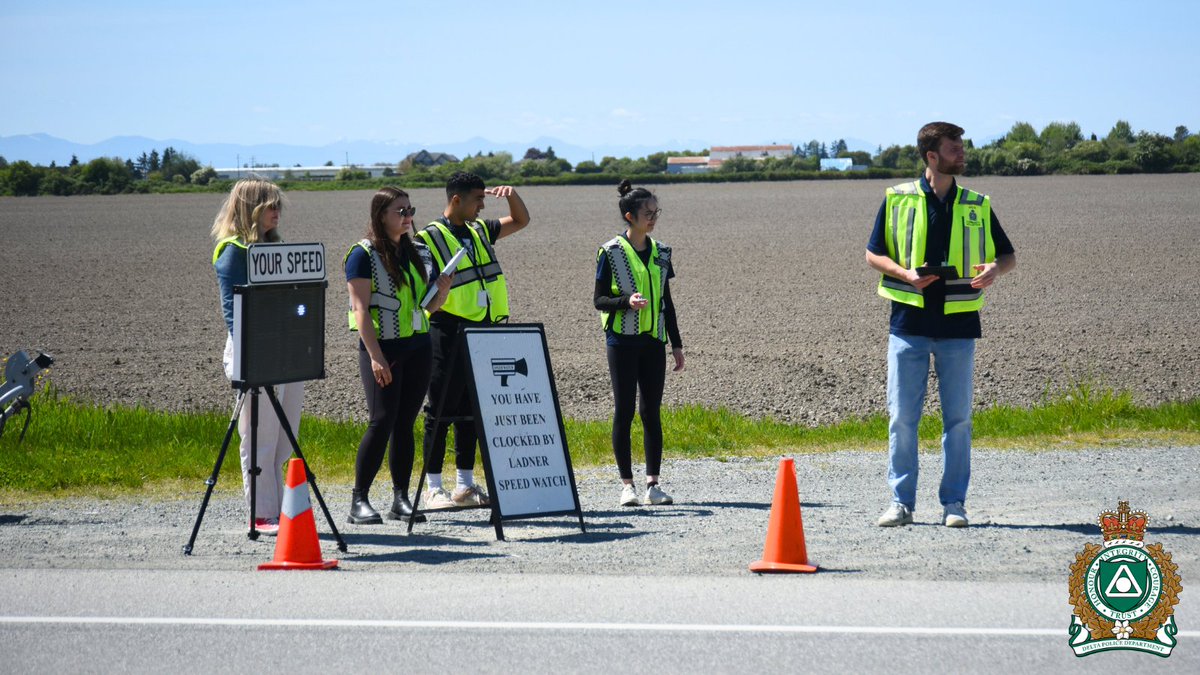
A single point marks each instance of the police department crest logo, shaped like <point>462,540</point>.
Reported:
<point>1124,592</point>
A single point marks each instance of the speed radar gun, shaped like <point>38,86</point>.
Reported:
<point>22,372</point>
<point>278,337</point>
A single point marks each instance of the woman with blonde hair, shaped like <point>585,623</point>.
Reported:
<point>250,215</point>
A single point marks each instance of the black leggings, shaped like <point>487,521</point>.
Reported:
<point>456,387</point>
<point>641,367</point>
<point>393,411</point>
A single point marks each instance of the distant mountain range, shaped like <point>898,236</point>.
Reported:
<point>44,148</point>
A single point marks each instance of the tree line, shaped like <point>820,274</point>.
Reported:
<point>1059,148</point>
<point>104,175</point>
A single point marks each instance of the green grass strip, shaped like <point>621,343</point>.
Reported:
<point>74,445</point>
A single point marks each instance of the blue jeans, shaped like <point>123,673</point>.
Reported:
<point>908,377</point>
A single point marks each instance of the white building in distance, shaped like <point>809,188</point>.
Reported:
<point>278,173</point>
<point>719,153</point>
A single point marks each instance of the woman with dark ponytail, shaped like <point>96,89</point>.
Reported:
<point>387,274</point>
<point>634,298</point>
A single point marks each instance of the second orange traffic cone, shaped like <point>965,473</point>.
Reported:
<point>297,546</point>
<point>784,550</point>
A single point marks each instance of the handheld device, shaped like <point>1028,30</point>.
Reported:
<point>943,271</point>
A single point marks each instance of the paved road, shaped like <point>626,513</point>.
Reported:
<point>222,621</point>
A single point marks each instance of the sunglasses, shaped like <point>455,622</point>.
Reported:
<point>402,212</point>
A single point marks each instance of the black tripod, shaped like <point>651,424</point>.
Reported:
<point>255,469</point>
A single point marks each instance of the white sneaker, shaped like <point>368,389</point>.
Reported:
<point>655,495</point>
<point>897,514</point>
<point>629,496</point>
<point>470,495</point>
<point>436,499</point>
<point>954,515</point>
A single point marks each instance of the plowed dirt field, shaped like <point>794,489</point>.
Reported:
<point>777,308</point>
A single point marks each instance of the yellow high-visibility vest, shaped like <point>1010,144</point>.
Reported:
<point>392,307</point>
<point>906,229</point>
<point>235,240</point>
<point>629,276</point>
<point>477,272</point>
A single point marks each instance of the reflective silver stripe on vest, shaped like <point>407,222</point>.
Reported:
<point>896,230</point>
<point>383,297</point>
<point>487,272</point>
<point>896,284</point>
<point>490,271</point>
<point>959,290</point>
<point>624,321</point>
<point>966,249</point>
<point>664,261</point>
<point>983,244</point>
<point>481,230</point>
<point>912,216</point>
<point>461,280</point>
<point>388,302</point>
<point>970,197</point>
<point>438,241</point>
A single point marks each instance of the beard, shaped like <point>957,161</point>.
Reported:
<point>950,167</point>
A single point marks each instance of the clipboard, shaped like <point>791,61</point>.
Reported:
<point>450,265</point>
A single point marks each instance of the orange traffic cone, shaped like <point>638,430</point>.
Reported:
<point>784,550</point>
<point>296,545</point>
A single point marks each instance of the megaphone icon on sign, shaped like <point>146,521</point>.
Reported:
<point>506,368</point>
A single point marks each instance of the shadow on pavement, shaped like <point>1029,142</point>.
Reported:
<point>589,537</point>
<point>424,556</point>
<point>1078,528</point>
<point>399,539</point>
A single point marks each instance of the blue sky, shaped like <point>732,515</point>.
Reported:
<point>663,74</point>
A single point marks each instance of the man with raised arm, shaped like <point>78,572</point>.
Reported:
<point>478,295</point>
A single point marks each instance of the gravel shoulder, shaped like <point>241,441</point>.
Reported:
<point>1031,512</point>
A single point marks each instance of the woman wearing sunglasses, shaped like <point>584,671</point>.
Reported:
<point>250,215</point>
<point>387,274</point>
<point>633,295</point>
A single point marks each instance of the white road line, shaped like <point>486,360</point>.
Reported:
<point>540,626</point>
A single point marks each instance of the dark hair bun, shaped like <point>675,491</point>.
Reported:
<point>625,187</point>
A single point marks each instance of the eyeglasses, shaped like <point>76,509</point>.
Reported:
<point>402,212</point>
<point>652,215</point>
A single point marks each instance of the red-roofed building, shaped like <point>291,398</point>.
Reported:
<point>687,164</point>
